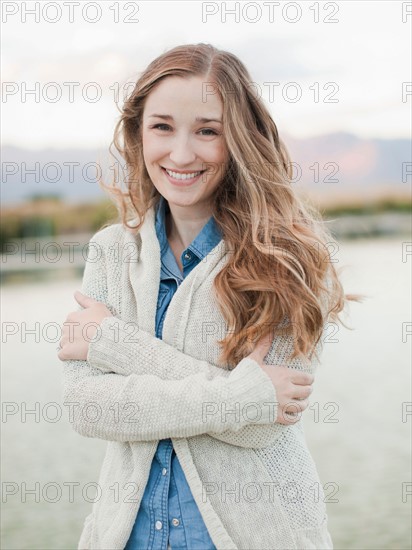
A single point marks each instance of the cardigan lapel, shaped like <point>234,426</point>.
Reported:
<point>145,280</point>
<point>178,312</point>
<point>144,274</point>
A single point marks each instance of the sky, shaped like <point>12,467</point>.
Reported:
<point>331,66</point>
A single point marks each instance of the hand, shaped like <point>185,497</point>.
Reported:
<point>81,327</point>
<point>292,387</point>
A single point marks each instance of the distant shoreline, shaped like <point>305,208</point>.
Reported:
<point>52,217</point>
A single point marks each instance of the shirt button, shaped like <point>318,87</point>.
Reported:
<point>187,256</point>
<point>158,525</point>
<point>164,472</point>
<point>175,522</point>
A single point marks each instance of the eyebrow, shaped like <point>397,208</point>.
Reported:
<point>203,120</point>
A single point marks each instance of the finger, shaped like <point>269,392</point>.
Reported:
<point>83,300</point>
<point>288,417</point>
<point>296,406</point>
<point>302,392</point>
<point>302,378</point>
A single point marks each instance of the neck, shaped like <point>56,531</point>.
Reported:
<point>183,225</point>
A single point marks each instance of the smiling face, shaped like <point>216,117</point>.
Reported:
<point>183,145</point>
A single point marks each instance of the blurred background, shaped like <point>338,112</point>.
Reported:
<point>336,78</point>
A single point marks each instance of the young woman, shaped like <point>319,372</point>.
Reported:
<point>207,305</point>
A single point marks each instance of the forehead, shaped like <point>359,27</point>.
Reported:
<point>194,95</point>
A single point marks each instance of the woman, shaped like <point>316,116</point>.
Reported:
<point>200,397</point>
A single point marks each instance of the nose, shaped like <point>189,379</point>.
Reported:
<point>181,152</point>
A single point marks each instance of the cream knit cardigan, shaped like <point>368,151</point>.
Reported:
<point>254,480</point>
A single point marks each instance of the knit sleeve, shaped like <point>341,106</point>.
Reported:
<point>145,407</point>
<point>128,352</point>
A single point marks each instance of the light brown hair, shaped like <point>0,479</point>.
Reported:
<point>279,277</point>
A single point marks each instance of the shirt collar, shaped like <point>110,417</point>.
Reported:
<point>208,237</point>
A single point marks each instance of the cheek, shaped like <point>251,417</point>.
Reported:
<point>146,144</point>
<point>150,150</point>
<point>220,155</point>
<point>219,150</point>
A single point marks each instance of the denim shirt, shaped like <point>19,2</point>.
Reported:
<point>168,514</point>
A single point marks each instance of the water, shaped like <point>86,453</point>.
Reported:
<point>354,426</point>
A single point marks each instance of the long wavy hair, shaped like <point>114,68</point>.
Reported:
<point>279,277</point>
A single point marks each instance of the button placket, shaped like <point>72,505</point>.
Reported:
<point>161,526</point>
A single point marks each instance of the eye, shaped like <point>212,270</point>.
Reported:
<point>166,127</point>
<point>157,126</point>
<point>214,133</point>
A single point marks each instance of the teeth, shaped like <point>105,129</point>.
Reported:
<point>177,176</point>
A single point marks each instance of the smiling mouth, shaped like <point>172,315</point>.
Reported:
<point>182,175</point>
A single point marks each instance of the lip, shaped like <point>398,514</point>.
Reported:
<point>182,183</point>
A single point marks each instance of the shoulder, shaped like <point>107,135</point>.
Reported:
<point>113,240</point>
<point>115,232</point>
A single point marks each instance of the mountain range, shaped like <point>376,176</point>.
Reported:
<point>334,168</point>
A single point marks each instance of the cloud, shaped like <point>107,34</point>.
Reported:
<point>353,53</point>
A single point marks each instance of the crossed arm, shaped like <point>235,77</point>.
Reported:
<point>145,389</point>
